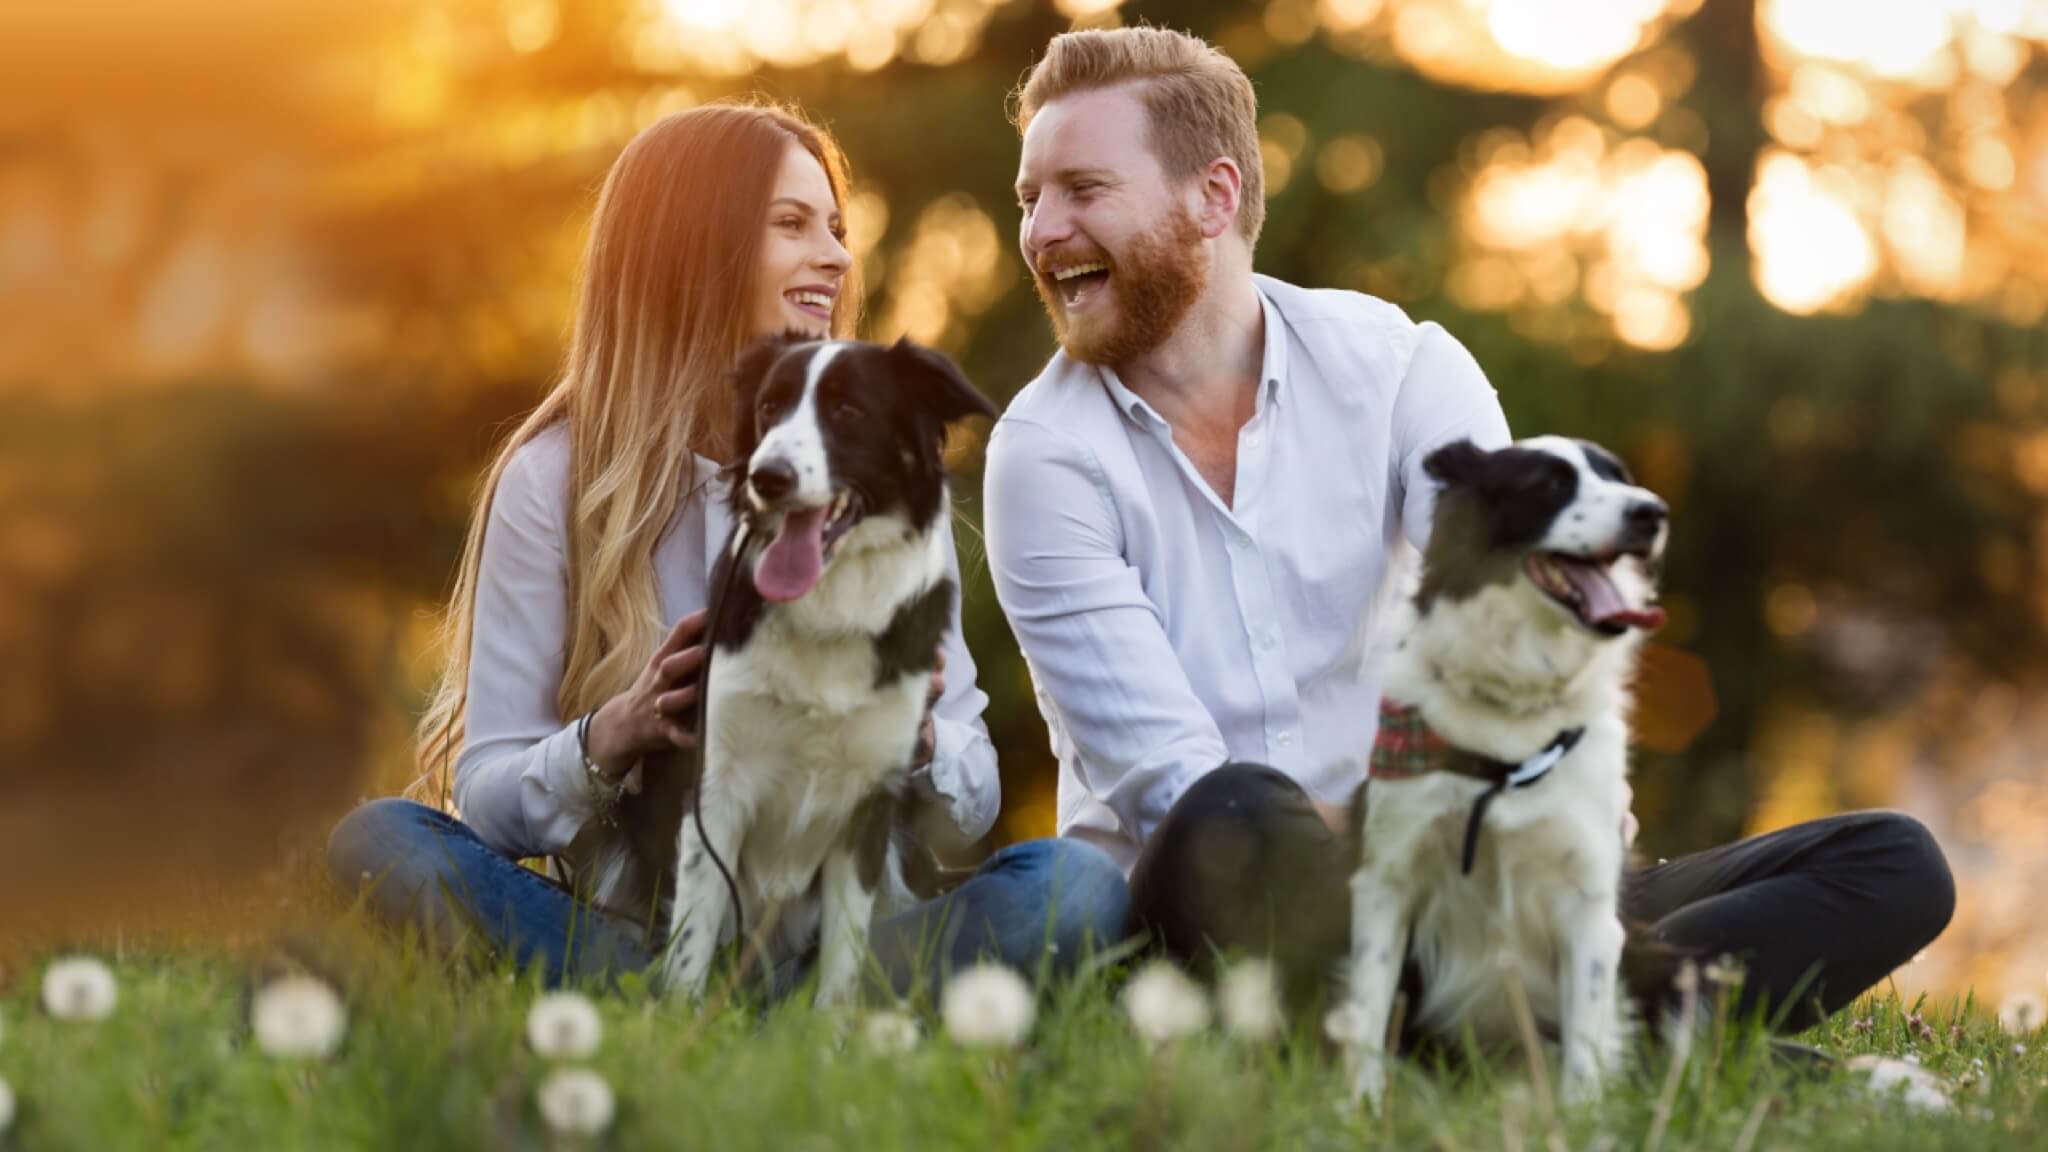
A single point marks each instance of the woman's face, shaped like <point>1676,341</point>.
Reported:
<point>804,256</point>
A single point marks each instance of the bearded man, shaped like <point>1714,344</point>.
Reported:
<point>1191,508</point>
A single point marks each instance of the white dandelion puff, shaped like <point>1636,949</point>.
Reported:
<point>2022,1014</point>
<point>1346,1025</point>
<point>298,1018</point>
<point>1248,999</point>
<point>576,1102</point>
<point>891,1034</point>
<point>6,1107</point>
<point>1920,1089</point>
<point>564,1026</point>
<point>79,988</point>
<point>987,1006</point>
<point>1164,1004</point>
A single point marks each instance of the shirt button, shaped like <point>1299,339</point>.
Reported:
<point>1241,540</point>
<point>1269,641</point>
<point>1284,739</point>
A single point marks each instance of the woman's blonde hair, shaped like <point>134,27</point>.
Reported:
<point>666,301</point>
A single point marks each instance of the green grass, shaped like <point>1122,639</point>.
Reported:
<point>435,1057</point>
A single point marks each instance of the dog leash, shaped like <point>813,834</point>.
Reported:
<point>1517,776</point>
<point>715,610</point>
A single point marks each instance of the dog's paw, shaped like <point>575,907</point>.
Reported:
<point>1579,1087</point>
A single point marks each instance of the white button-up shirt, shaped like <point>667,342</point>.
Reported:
<point>519,780</point>
<point>1168,633</point>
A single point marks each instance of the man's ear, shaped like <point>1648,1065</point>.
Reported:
<point>1456,465</point>
<point>940,387</point>
<point>743,384</point>
<point>1222,189</point>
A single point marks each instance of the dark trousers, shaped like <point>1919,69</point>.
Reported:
<point>1816,913</point>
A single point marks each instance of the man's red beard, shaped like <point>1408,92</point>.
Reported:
<point>1156,282</point>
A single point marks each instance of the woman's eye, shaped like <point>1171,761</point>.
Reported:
<point>793,223</point>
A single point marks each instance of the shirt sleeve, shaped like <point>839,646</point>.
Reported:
<point>963,766</point>
<point>519,781</point>
<point>1095,642</point>
<point>1443,398</point>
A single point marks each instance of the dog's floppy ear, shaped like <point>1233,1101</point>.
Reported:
<point>942,389</point>
<point>743,383</point>
<point>1457,464</point>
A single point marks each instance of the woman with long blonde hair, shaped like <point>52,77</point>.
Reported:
<point>574,631</point>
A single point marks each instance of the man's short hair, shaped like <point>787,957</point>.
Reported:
<point>1199,101</point>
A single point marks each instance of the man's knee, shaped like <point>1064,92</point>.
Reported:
<point>1924,893</point>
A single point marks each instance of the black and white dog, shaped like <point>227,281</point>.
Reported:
<point>1490,824</point>
<point>835,597</point>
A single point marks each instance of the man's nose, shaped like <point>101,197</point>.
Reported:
<point>1044,226</point>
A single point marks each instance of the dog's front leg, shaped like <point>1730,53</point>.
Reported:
<point>1591,958</point>
<point>852,874</point>
<point>1379,943</point>
<point>702,902</point>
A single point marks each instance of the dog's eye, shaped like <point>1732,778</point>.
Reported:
<point>847,413</point>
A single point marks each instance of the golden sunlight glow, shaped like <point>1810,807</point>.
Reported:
<point>1544,46</point>
<point>1627,221</point>
<point>1811,248</point>
<point>1905,148</point>
<point>732,37</point>
<point>952,268</point>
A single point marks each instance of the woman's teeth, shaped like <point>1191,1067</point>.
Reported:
<point>816,302</point>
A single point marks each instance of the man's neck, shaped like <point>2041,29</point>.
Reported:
<point>1204,379</point>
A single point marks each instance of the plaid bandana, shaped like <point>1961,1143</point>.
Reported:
<point>1407,747</point>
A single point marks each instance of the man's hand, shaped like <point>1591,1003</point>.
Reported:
<point>927,734</point>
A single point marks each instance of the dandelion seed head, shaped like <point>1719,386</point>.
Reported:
<point>2022,1014</point>
<point>80,988</point>
<point>576,1102</point>
<point>298,1018</point>
<point>891,1034</point>
<point>987,1006</point>
<point>1164,1004</point>
<point>6,1107</point>
<point>564,1026</point>
<point>1248,998</point>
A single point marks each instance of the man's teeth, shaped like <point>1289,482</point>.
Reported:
<point>815,299</point>
<point>1068,273</point>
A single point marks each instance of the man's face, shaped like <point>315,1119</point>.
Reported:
<point>1111,241</point>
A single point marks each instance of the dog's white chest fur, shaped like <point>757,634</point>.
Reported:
<point>1544,852</point>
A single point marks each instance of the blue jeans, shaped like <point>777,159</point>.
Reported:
<point>1041,902</point>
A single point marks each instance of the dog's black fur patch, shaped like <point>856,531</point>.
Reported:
<point>907,647</point>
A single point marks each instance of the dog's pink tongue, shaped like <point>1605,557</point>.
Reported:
<point>794,558</point>
<point>1600,602</point>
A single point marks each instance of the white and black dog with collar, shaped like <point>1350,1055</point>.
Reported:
<point>829,605</point>
<point>1489,829</point>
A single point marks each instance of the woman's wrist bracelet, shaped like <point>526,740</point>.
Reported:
<point>605,788</point>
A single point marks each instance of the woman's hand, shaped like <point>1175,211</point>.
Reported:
<point>927,734</point>
<point>657,712</point>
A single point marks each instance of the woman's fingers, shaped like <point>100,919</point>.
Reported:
<point>938,687</point>
<point>685,634</point>
<point>682,667</point>
<point>677,703</point>
<point>677,736</point>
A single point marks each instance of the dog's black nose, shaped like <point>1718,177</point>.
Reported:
<point>1646,516</point>
<point>773,479</point>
